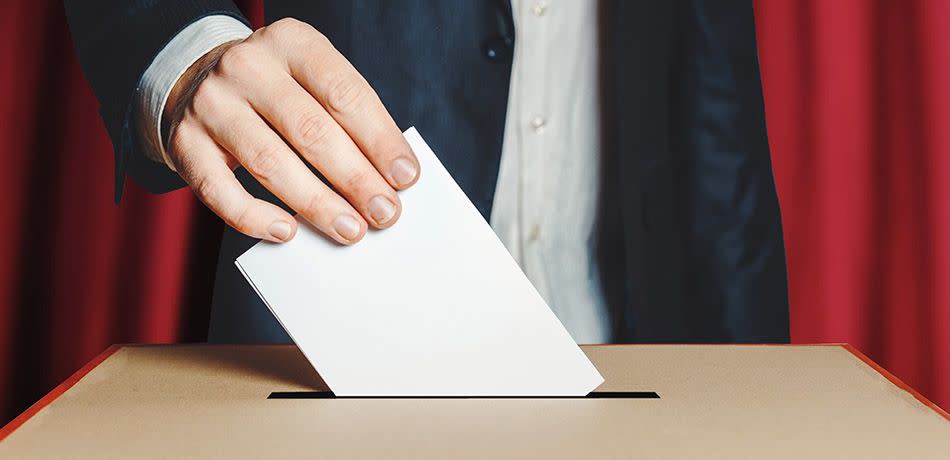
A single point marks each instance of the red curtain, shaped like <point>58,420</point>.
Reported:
<point>858,112</point>
<point>857,96</point>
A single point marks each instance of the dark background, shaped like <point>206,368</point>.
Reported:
<point>858,110</point>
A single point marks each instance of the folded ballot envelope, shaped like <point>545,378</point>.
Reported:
<point>433,306</point>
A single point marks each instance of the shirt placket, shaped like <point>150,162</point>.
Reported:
<point>535,125</point>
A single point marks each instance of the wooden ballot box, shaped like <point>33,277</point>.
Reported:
<point>209,401</point>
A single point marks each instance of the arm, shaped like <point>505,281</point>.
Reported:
<point>734,238</point>
<point>116,41</point>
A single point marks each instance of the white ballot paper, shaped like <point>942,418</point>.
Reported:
<point>433,306</point>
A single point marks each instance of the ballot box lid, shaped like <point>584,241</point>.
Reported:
<point>657,401</point>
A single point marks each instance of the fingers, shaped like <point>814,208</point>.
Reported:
<point>323,143</point>
<point>350,100</point>
<point>240,131</point>
<point>206,170</point>
<point>286,84</point>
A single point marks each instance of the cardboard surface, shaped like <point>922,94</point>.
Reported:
<point>205,401</point>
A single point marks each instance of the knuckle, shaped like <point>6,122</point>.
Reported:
<point>313,131</point>
<point>345,94</point>
<point>356,181</point>
<point>318,41</point>
<point>265,161</point>
<point>314,207</point>
<point>243,222</point>
<point>289,27</point>
<point>206,98</point>
<point>238,60</point>
<point>208,189</point>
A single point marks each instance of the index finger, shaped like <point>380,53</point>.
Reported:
<point>356,107</point>
<point>212,180</point>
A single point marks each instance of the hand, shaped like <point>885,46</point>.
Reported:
<point>258,103</point>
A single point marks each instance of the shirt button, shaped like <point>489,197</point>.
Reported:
<point>539,8</point>
<point>497,48</point>
<point>538,123</point>
<point>535,233</point>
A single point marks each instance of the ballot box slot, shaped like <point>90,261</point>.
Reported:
<point>594,395</point>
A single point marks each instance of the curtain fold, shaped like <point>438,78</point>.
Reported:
<point>858,110</point>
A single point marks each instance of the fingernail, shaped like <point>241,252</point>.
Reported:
<point>381,209</point>
<point>347,227</point>
<point>280,230</point>
<point>404,171</point>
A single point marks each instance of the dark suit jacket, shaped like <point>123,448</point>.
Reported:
<point>691,245</point>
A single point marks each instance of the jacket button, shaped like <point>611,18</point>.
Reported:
<point>497,48</point>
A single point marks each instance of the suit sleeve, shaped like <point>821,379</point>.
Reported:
<point>116,40</point>
<point>734,239</point>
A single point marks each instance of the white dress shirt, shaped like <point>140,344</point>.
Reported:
<point>545,201</point>
<point>545,204</point>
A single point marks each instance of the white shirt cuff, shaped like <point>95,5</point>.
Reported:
<point>172,61</point>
